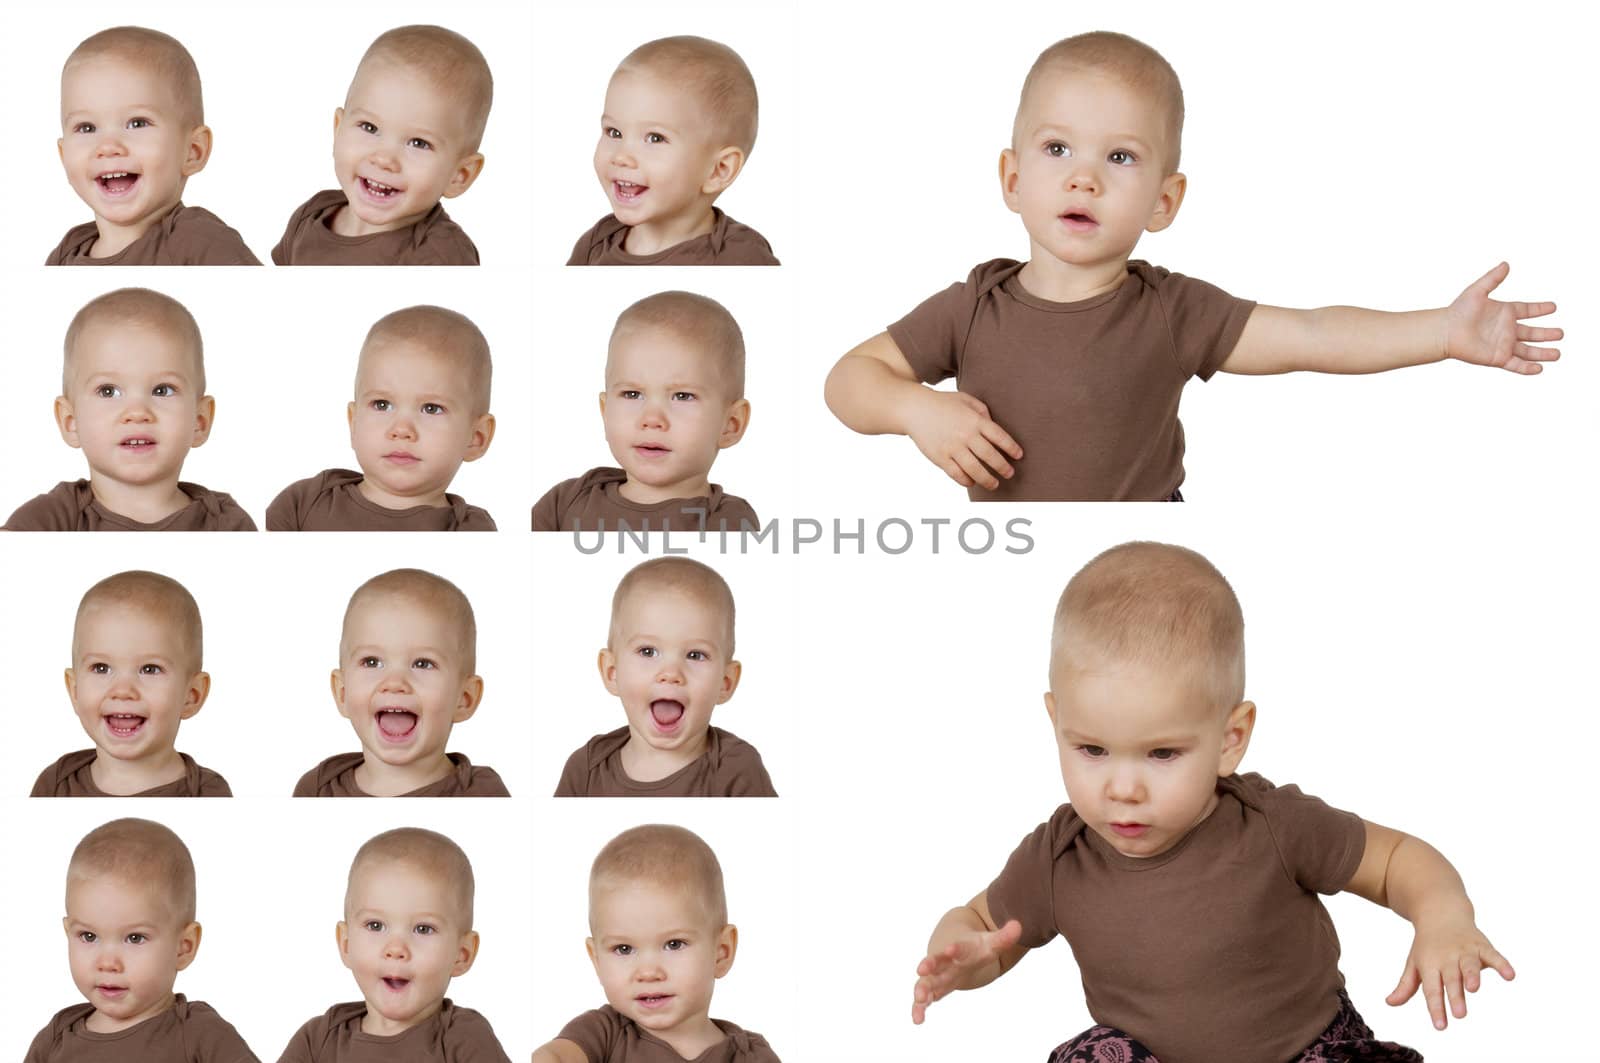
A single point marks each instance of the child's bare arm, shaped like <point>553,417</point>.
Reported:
<point>874,390</point>
<point>1349,339</point>
<point>1448,950</point>
<point>559,1051</point>
<point>966,951</point>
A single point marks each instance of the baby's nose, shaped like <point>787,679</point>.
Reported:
<point>110,144</point>
<point>395,947</point>
<point>403,428</point>
<point>108,959</point>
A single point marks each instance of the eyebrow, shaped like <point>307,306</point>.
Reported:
<point>358,114</point>
<point>1160,741</point>
<point>363,914</point>
<point>1051,127</point>
<point>670,128</point>
<point>431,651</point>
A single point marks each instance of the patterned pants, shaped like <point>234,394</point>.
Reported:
<point>1346,1040</point>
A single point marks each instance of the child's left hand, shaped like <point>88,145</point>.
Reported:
<point>1446,956</point>
<point>1485,331</point>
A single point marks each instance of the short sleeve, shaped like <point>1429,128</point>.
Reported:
<point>213,1038</point>
<point>575,774</point>
<point>931,336</point>
<point>747,776</point>
<point>1321,846</point>
<point>546,511</point>
<point>1205,322</point>
<point>471,1039</point>
<point>284,512</point>
<point>213,785</point>
<point>595,1032</point>
<point>1025,889</point>
<point>232,516</point>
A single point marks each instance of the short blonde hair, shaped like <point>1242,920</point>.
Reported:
<point>169,60</point>
<point>1132,62</point>
<point>714,73</point>
<point>680,574</point>
<point>1155,604</point>
<point>663,855</point>
<point>448,336</point>
<point>701,322</point>
<point>426,851</point>
<point>140,308</point>
<point>426,591</point>
<point>143,853</point>
<point>450,63</point>
<point>162,598</point>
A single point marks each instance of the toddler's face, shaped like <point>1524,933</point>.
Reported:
<point>1141,750</point>
<point>1087,173</point>
<point>125,949</point>
<point>400,682</point>
<point>126,151</point>
<point>412,425</point>
<point>669,664</point>
<point>132,680</point>
<point>398,148</point>
<point>133,404</point>
<point>658,954</point>
<point>403,939</point>
<point>654,156</point>
<point>665,412</point>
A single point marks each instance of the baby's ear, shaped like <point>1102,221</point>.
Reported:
<point>72,686</point>
<point>1008,180</point>
<point>341,933</point>
<point>199,150</point>
<point>724,168</point>
<point>467,171</point>
<point>1173,187</point>
<point>730,681</point>
<point>733,428</point>
<point>482,436</point>
<point>1236,737</point>
<point>471,697</point>
<point>336,684</point>
<point>195,696</point>
<point>188,945</point>
<point>608,671</point>
<point>1050,708</point>
<point>727,946</point>
<point>67,421</point>
<point>205,412</point>
<point>466,953</point>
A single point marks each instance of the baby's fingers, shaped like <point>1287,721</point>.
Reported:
<point>1490,957</point>
<point>1433,993</point>
<point>1406,988</point>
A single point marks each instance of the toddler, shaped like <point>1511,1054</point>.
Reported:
<point>406,931</point>
<point>406,137</point>
<point>679,123</point>
<point>421,408</point>
<point>674,397</point>
<point>1078,357</point>
<point>133,382</point>
<point>669,660</point>
<point>660,938</point>
<point>132,134</point>
<point>135,676</point>
<point>1187,892</point>
<point>406,675</point>
<point>130,930</point>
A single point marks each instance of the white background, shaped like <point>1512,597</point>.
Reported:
<point>1414,551</point>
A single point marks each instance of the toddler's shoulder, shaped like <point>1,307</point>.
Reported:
<point>736,244</point>
<point>592,245</point>
<point>293,505</point>
<point>468,1035</point>
<point>197,237</point>
<point>74,245</point>
<point>62,508</point>
<point>48,1040</point>
<point>207,1036</point>
<point>737,769</point>
<point>322,780</point>
<point>748,1046</point>
<point>58,779</point>
<point>550,513</point>
<point>438,241</point>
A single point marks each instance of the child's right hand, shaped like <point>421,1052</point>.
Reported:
<point>954,431</point>
<point>953,966</point>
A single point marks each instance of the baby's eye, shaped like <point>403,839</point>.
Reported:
<point>1122,158</point>
<point>419,144</point>
<point>99,668</point>
<point>1163,754</point>
<point>139,123</point>
<point>647,651</point>
<point>88,937</point>
<point>432,409</point>
<point>677,944</point>
<point>683,396</point>
<point>151,669</point>
<point>83,127</point>
<point>136,938</point>
<point>612,132</point>
<point>108,391</point>
<point>1057,150</point>
<point>629,393</point>
<point>381,405</point>
<point>698,655</point>
<point>622,950</point>
<point>374,925</point>
<point>654,138</point>
<point>425,663</point>
<point>164,391</point>
<point>424,929</point>
<point>1092,752</point>
<point>366,127</point>
<point>369,661</point>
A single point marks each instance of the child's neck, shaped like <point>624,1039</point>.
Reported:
<point>396,780</point>
<point>378,1026</point>
<point>1047,277</point>
<point>124,778</point>
<point>112,239</point>
<point>651,237</point>
<point>146,503</point>
<point>691,1037</point>
<point>379,497</point>
<point>97,1022</point>
<point>643,763</point>
<point>646,495</point>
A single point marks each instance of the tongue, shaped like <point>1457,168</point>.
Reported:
<point>396,724</point>
<point>118,185</point>
<point>666,713</point>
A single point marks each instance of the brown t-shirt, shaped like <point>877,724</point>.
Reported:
<point>70,506</point>
<point>1089,389</point>
<point>332,501</point>
<point>727,244</point>
<point>594,502</point>
<point>184,1033</point>
<point>608,1036</point>
<point>730,767</point>
<point>70,777</point>
<point>336,777</point>
<point>309,240</point>
<point>187,236</point>
<point>454,1035</point>
<point>1215,951</point>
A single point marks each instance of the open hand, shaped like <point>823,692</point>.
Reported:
<point>941,972</point>
<point>1486,331</point>
<point>954,431</point>
<point>1445,960</point>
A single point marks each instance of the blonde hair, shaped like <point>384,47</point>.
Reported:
<point>426,591</point>
<point>1156,604</point>
<point>162,598</point>
<point>701,322</point>
<point>680,574</point>
<point>425,851</point>
<point>714,73</point>
<point>663,855</point>
<point>140,308</point>
<point>448,336</point>
<point>143,853</point>
<point>1132,62</point>
<point>169,60</point>
<point>452,65</point>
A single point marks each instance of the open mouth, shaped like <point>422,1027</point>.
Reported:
<point>1079,221</point>
<point>627,191</point>
<point>396,985</point>
<point>124,724</point>
<point>666,714</point>
<point>119,183</point>
<point>396,725</point>
<point>653,1000</point>
<point>377,190</point>
<point>136,443</point>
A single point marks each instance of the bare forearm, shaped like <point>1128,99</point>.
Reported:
<point>1422,885</point>
<point>867,396</point>
<point>1337,339</point>
<point>957,924</point>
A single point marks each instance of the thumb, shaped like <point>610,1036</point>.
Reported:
<point>974,402</point>
<point>1491,280</point>
<point>1409,983</point>
<point>1006,936</point>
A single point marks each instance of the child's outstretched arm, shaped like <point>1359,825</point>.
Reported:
<point>1349,339</point>
<point>966,951</point>
<point>1411,877</point>
<point>874,390</point>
